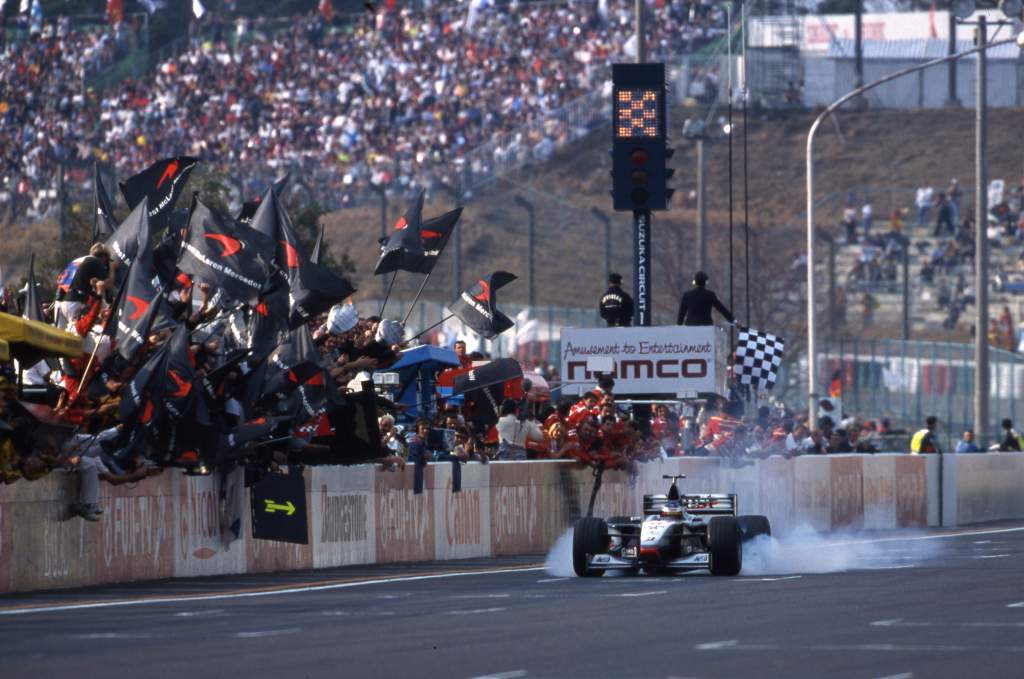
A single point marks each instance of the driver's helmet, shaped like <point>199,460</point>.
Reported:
<point>672,509</point>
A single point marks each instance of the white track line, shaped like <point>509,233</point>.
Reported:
<point>250,595</point>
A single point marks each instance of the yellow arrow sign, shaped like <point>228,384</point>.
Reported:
<point>272,507</point>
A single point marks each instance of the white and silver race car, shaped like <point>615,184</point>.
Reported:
<point>676,533</point>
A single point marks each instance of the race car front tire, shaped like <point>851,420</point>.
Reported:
<point>754,525</point>
<point>589,537</point>
<point>725,545</point>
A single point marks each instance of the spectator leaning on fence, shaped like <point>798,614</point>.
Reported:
<point>924,440</point>
<point>1011,442</point>
<point>966,444</point>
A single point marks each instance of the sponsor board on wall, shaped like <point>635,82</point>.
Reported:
<point>405,521</point>
<point>462,529</point>
<point>847,492</point>
<point>676,360</point>
<point>201,537</point>
<point>879,492</point>
<point>812,479</point>
<point>137,531</point>
<point>529,506</point>
<point>343,516</point>
<point>777,488</point>
<point>911,491</point>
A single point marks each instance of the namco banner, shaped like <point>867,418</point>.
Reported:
<point>674,361</point>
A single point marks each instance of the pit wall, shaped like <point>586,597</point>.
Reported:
<point>171,525</point>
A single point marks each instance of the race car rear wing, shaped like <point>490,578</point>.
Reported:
<point>696,503</point>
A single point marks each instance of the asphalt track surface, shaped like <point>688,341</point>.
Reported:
<point>935,604</point>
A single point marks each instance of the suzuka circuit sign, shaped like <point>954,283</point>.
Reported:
<point>676,361</point>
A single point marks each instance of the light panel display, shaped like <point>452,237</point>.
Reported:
<point>637,114</point>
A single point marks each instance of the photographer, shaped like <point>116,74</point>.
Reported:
<point>513,432</point>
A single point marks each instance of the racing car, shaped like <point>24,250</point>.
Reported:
<point>676,533</point>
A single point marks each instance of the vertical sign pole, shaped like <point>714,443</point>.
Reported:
<point>981,357</point>
<point>642,267</point>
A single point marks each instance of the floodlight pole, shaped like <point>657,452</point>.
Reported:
<point>981,376</point>
<point>812,338</point>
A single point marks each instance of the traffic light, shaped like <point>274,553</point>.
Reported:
<point>639,150</point>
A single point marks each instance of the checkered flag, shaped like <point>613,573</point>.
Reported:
<point>758,357</point>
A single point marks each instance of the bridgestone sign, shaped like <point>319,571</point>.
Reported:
<point>672,361</point>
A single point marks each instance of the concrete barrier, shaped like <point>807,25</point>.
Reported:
<point>175,525</point>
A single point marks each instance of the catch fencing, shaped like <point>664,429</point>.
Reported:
<point>907,381</point>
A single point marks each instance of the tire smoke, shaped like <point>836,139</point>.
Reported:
<point>805,550</point>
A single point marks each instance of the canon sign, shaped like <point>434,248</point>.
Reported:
<point>672,360</point>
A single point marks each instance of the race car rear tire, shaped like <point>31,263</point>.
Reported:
<point>589,537</point>
<point>753,525</point>
<point>725,545</point>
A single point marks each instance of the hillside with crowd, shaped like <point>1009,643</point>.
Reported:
<point>396,98</point>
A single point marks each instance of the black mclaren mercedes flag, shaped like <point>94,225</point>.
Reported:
<point>32,310</point>
<point>135,401</point>
<point>271,220</point>
<point>226,254</point>
<point>291,365</point>
<point>140,306</point>
<point>129,238</point>
<point>405,244</point>
<point>477,307</point>
<point>103,223</point>
<point>179,374</point>
<point>314,290</point>
<point>162,183</point>
<point>434,235</point>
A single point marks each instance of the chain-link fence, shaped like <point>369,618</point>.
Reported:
<point>906,381</point>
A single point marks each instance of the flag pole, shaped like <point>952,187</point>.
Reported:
<point>416,298</point>
<point>388,293</point>
<point>96,201</point>
<point>424,332</point>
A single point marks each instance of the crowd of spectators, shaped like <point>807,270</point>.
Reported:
<point>46,114</point>
<point>944,256</point>
<point>395,99</point>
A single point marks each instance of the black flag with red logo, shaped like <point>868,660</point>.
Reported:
<point>141,308</point>
<point>268,322</point>
<point>434,235</point>
<point>291,365</point>
<point>129,238</point>
<point>477,307</point>
<point>231,256</point>
<point>162,183</point>
<point>136,401</point>
<point>314,290</point>
<point>179,374</point>
<point>273,221</point>
<point>404,245</point>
